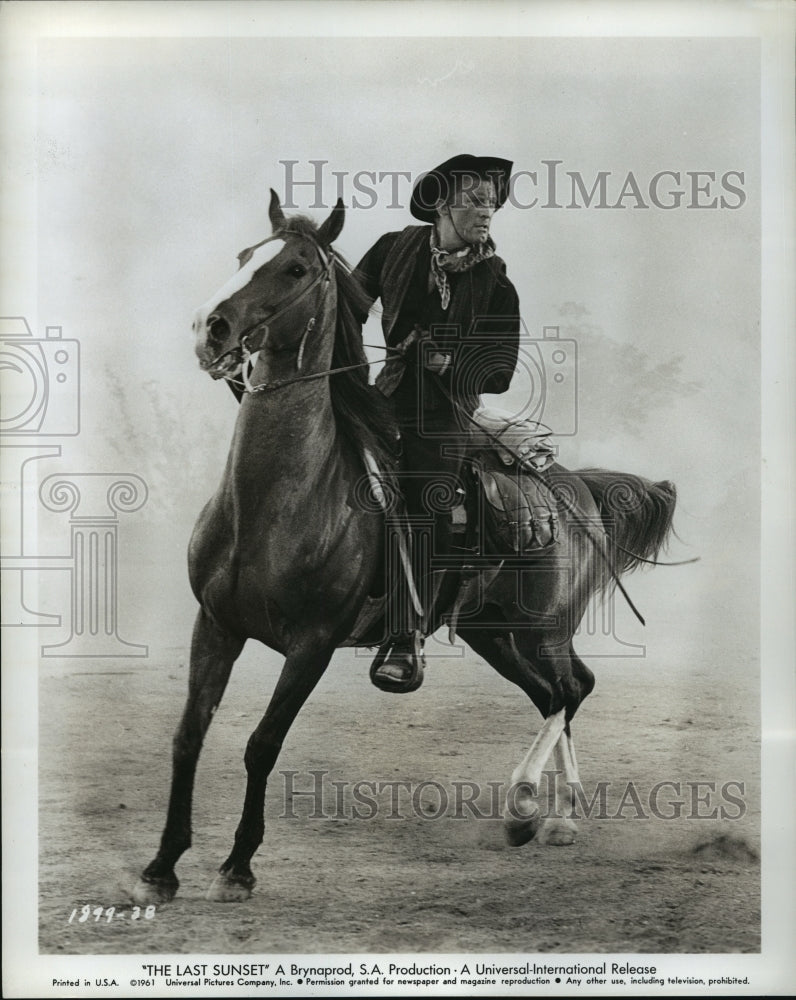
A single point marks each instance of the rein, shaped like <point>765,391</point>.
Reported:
<point>282,383</point>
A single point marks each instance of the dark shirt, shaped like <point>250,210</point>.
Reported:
<point>483,348</point>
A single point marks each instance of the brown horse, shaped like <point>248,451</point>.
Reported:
<point>284,554</point>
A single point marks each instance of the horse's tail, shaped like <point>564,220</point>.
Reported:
<point>636,514</point>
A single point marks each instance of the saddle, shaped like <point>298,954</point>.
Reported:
<point>507,459</point>
<point>509,508</point>
<point>518,513</point>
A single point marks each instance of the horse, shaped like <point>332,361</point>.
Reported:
<point>282,554</point>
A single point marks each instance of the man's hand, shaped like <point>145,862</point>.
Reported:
<point>437,362</point>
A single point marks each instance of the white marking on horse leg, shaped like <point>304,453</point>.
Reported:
<point>566,762</point>
<point>529,771</point>
<point>568,748</point>
<point>558,828</point>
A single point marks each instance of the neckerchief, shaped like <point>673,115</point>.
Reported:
<point>445,261</point>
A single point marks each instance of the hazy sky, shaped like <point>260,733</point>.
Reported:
<point>155,157</point>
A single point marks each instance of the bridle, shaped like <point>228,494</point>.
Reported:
<point>246,350</point>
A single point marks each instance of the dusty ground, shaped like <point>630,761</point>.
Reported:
<point>342,884</point>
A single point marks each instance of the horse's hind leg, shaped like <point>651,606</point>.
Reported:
<point>521,814</point>
<point>556,685</point>
<point>574,682</point>
<point>302,670</point>
<point>558,827</point>
<point>213,653</point>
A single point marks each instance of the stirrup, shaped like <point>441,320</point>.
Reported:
<point>399,672</point>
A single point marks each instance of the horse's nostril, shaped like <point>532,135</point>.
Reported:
<point>217,328</point>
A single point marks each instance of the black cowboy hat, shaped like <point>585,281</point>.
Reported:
<point>436,184</point>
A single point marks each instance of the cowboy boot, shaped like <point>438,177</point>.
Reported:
<point>402,669</point>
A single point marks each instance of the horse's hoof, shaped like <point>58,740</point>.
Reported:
<point>520,830</point>
<point>556,834</point>
<point>226,889</point>
<point>154,893</point>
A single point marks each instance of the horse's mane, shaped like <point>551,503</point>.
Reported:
<point>363,415</point>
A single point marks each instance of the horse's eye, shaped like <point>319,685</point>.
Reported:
<point>297,271</point>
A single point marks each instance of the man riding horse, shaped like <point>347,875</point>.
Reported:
<point>452,317</point>
<point>280,553</point>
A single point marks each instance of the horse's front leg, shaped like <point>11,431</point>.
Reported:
<point>213,653</point>
<point>302,670</point>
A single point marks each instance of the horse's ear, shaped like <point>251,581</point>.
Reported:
<point>333,226</point>
<point>275,213</point>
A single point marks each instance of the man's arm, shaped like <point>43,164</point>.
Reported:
<point>503,329</point>
<point>486,361</point>
<point>368,270</point>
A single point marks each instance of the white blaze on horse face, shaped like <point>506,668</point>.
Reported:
<point>261,256</point>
